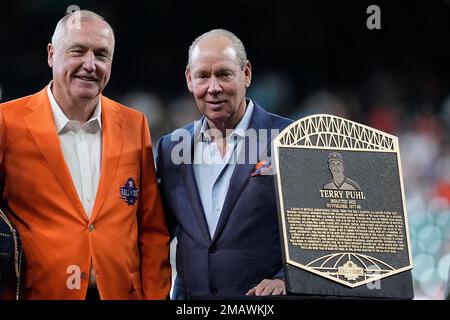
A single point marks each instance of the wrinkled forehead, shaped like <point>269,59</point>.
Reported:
<point>89,35</point>
<point>214,49</point>
<point>85,27</point>
<point>92,26</point>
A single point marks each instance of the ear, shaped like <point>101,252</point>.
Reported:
<point>188,79</point>
<point>50,51</point>
<point>248,74</point>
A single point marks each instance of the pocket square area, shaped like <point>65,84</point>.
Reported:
<point>262,168</point>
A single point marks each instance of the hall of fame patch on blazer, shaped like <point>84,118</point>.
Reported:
<point>129,192</point>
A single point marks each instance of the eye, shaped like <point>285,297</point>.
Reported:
<point>201,77</point>
<point>103,54</point>
<point>76,51</point>
<point>225,75</point>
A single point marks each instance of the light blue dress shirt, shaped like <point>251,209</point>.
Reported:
<point>212,172</point>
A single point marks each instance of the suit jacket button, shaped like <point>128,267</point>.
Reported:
<point>212,250</point>
<point>214,290</point>
<point>91,227</point>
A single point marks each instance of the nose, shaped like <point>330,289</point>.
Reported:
<point>214,86</point>
<point>89,62</point>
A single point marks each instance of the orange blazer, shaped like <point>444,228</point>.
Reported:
<point>128,244</point>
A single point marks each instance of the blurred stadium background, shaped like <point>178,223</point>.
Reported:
<point>309,57</point>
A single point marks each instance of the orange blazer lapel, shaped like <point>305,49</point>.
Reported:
<point>42,128</point>
<point>112,137</point>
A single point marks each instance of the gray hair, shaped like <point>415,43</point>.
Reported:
<point>76,17</point>
<point>235,41</point>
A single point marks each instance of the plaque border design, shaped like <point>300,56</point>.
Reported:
<point>329,132</point>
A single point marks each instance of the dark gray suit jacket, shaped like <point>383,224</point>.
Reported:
<point>246,246</point>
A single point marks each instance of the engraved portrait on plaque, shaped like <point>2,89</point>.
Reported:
<point>342,210</point>
<point>339,180</point>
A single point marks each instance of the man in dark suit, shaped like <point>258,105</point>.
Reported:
<point>216,183</point>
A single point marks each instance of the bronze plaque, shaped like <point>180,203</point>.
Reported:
<point>342,210</point>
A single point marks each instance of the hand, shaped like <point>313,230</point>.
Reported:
<point>268,287</point>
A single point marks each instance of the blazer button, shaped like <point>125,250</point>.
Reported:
<point>214,290</point>
<point>83,275</point>
<point>91,227</point>
<point>212,250</point>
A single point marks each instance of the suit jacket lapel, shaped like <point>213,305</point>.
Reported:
<point>187,171</point>
<point>112,137</point>
<point>242,172</point>
<point>42,128</point>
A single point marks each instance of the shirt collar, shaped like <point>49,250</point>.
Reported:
<point>61,119</point>
<point>239,130</point>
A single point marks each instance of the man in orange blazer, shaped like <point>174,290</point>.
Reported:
<point>79,178</point>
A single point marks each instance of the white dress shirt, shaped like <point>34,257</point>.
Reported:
<point>81,144</point>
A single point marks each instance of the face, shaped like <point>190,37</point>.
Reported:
<point>81,61</point>
<point>217,81</point>
<point>336,168</point>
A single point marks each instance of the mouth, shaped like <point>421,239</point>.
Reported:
<point>87,78</point>
<point>215,103</point>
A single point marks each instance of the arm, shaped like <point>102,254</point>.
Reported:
<point>170,219</point>
<point>280,274</point>
<point>153,235</point>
